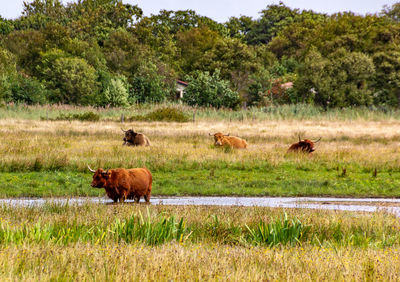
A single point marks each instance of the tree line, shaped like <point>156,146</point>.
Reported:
<point>106,53</point>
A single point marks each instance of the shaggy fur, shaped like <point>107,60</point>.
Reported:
<point>121,184</point>
<point>304,146</point>
<point>230,141</point>
<point>133,138</point>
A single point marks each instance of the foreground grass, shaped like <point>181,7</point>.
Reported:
<point>196,262</point>
<point>215,244</point>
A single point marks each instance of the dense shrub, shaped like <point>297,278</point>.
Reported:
<point>209,90</point>
<point>27,90</point>
<point>87,116</point>
<point>148,85</point>
<point>116,93</point>
<point>338,80</point>
<point>163,114</point>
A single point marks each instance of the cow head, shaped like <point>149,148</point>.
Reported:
<point>218,138</point>
<point>129,135</point>
<point>100,177</point>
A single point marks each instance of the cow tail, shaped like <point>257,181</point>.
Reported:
<point>150,180</point>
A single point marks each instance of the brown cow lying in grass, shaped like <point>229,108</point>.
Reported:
<point>133,138</point>
<point>304,146</point>
<point>229,141</point>
<point>121,184</point>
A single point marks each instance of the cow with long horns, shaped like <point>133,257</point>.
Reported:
<point>133,138</point>
<point>304,146</point>
<point>228,141</point>
<point>121,184</point>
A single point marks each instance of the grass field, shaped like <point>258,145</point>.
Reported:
<point>50,158</point>
<point>358,156</point>
<point>163,243</point>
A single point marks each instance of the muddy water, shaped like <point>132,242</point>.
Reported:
<point>343,204</point>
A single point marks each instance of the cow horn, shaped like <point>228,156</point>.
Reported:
<point>209,134</point>
<point>299,138</point>
<point>317,140</point>
<point>92,170</point>
<point>124,130</point>
<point>227,134</point>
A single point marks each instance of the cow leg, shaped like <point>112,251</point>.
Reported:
<point>137,199</point>
<point>147,198</point>
<point>122,199</point>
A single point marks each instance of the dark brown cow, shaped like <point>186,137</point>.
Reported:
<point>133,138</point>
<point>121,184</point>
<point>229,141</point>
<point>304,146</point>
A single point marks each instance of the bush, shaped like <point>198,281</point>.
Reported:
<point>88,116</point>
<point>28,91</point>
<point>163,114</point>
<point>116,93</point>
<point>72,80</point>
<point>148,85</point>
<point>206,90</point>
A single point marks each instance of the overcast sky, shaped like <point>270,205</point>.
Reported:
<point>221,10</point>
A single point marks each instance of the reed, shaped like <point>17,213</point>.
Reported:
<point>277,113</point>
<point>91,224</point>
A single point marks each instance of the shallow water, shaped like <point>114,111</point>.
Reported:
<point>343,204</point>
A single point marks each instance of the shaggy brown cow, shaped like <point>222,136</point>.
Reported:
<point>121,184</point>
<point>133,138</point>
<point>229,141</point>
<point>305,146</point>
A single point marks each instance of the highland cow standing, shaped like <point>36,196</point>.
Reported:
<point>121,184</point>
<point>133,138</point>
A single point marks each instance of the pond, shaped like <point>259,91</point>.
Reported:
<point>342,204</point>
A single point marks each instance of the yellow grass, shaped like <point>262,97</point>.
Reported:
<point>75,143</point>
<point>196,262</point>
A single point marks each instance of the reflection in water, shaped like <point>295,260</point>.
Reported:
<point>344,204</point>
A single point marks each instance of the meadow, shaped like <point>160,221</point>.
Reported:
<point>357,156</point>
<point>43,155</point>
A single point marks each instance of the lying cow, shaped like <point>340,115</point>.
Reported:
<point>133,138</point>
<point>121,184</point>
<point>305,146</point>
<point>229,141</point>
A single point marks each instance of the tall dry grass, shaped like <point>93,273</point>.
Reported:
<point>35,145</point>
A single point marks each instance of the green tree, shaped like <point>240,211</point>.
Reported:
<point>387,78</point>
<point>206,90</point>
<point>192,44</point>
<point>124,53</point>
<point>27,90</point>
<point>235,60</point>
<point>26,45</point>
<point>116,94</point>
<point>148,85</point>
<point>339,80</point>
<point>8,72</point>
<point>72,81</point>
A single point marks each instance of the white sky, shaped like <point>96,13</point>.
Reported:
<point>221,10</point>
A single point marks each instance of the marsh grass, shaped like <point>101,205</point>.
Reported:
<point>136,228</point>
<point>154,225</point>
<point>120,242</point>
<point>279,232</point>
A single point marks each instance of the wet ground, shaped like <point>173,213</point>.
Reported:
<point>343,204</point>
